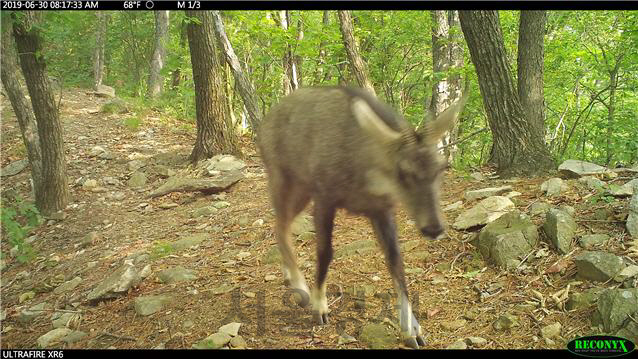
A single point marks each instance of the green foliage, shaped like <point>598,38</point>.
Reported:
<point>18,220</point>
<point>161,249</point>
<point>581,48</point>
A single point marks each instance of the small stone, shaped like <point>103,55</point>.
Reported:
<point>88,184</point>
<point>459,344</point>
<point>238,342</point>
<point>221,204</point>
<point>177,274</point>
<point>257,223</point>
<point>628,272</point>
<point>590,241</point>
<point>249,294</point>
<point>168,205</point>
<point>454,206</point>
<point>138,179</point>
<point>378,336</point>
<point>52,337</point>
<point>67,286</point>
<point>476,342</point>
<point>452,325</point>
<point>147,305</point>
<point>551,331</point>
<point>346,339</point>
<point>231,329</point>
<point>270,277</point>
<point>505,321</point>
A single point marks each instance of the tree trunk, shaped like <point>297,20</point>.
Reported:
<point>322,73</point>
<point>289,76</point>
<point>517,149</point>
<point>54,189</point>
<point>298,63</point>
<point>22,109</point>
<point>356,62</point>
<point>244,85</point>
<point>454,80</point>
<point>613,84</point>
<point>98,53</point>
<point>531,53</point>
<point>155,80</point>
<point>214,135</point>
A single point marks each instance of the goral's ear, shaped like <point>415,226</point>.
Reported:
<point>371,123</point>
<point>435,129</point>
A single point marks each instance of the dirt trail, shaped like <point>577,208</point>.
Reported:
<point>458,295</point>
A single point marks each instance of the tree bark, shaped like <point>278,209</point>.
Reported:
<point>98,52</point>
<point>214,133</point>
<point>516,149</point>
<point>289,78</point>
<point>244,85</point>
<point>321,73</point>
<point>22,109</point>
<point>54,187</point>
<point>531,53</point>
<point>155,80</point>
<point>357,64</point>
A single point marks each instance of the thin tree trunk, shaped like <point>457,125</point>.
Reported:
<point>517,150</point>
<point>613,83</point>
<point>22,109</point>
<point>288,76</point>
<point>155,80</point>
<point>454,80</point>
<point>298,59</point>
<point>321,72</point>
<point>244,85</point>
<point>214,135</point>
<point>98,53</point>
<point>357,64</point>
<point>531,53</point>
<point>54,189</point>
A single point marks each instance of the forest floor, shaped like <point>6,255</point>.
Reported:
<point>455,293</point>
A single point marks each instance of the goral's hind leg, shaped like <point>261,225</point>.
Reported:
<point>385,229</point>
<point>288,201</point>
<point>324,221</point>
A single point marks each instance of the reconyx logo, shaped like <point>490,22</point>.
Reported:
<point>601,346</point>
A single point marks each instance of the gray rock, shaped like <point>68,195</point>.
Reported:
<point>138,179</point>
<point>147,305</point>
<point>583,300</point>
<point>632,218</point>
<point>189,241</point>
<point>119,282</point>
<point>476,342</point>
<point>67,286</point>
<point>135,165</point>
<point>551,331</point>
<point>14,168</point>
<point>220,204</point>
<point>164,171</point>
<point>592,182</point>
<point>568,209</point>
<point>214,341</point>
<point>454,206</point>
<point>486,192</point>
<point>28,315</point>
<point>625,190</point>
<point>177,274</point>
<point>345,338</point>
<point>224,163</point>
<point>52,337</point>
<point>539,208</point>
<point>459,345</point>
<point>590,241</point>
<point>204,211</point>
<point>576,169</point>
<point>627,272</point>
<point>486,211</point>
<point>597,265</point>
<point>104,91</point>
<point>306,236</point>
<point>238,342</point>
<point>63,320</point>
<point>615,306</point>
<point>357,247</point>
<point>505,321</point>
<point>74,336</point>
<point>553,187</point>
<point>378,336</point>
<point>477,176</point>
<point>560,228</point>
<point>231,329</point>
<point>508,239</point>
<point>301,224</point>
<point>89,183</point>
<point>206,185</point>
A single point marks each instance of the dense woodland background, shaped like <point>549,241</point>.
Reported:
<point>545,86</point>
